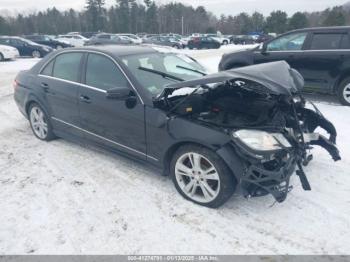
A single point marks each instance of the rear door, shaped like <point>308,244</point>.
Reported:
<point>60,81</point>
<point>114,123</point>
<point>289,48</point>
<point>326,55</point>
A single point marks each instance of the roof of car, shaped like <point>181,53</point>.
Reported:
<point>119,50</point>
<point>329,28</point>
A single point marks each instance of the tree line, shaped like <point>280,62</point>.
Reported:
<point>136,16</point>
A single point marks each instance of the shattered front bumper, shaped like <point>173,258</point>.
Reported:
<point>272,176</point>
<point>259,179</point>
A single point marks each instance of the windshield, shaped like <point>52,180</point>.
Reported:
<point>177,65</point>
<point>28,41</point>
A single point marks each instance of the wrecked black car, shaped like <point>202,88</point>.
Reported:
<point>246,130</point>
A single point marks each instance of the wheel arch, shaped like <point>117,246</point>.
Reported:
<point>345,74</point>
<point>226,153</point>
<point>34,100</point>
<point>173,148</point>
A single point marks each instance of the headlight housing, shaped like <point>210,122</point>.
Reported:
<point>261,141</point>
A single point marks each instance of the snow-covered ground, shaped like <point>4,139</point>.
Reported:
<point>65,198</point>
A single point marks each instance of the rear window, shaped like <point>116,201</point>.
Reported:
<point>326,41</point>
<point>67,66</point>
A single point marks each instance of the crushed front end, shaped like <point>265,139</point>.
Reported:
<point>270,158</point>
<point>270,125</point>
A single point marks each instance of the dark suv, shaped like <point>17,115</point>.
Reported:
<point>321,55</point>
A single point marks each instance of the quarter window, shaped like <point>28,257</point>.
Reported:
<point>48,69</point>
<point>101,72</point>
<point>67,66</point>
<point>290,42</point>
<point>326,41</point>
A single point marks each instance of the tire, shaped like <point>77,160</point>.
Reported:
<point>344,92</point>
<point>2,57</point>
<point>192,181</point>
<point>36,54</point>
<point>176,46</point>
<point>225,42</point>
<point>40,123</point>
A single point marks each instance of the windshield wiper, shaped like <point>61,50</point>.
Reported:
<point>192,70</point>
<point>163,74</point>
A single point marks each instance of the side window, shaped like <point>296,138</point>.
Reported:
<point>290,42</point>
<point>102,73</point>
<point>326,41</point>
<point>47,71</point>
<point>67,66</point>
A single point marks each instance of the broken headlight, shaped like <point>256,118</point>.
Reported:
<point>261,141</point>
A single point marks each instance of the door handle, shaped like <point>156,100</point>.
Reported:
<point>45,86</point>
<point>85,99</point>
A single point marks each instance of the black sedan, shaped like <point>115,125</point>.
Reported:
<point>48,41</point>
<point>203,42</point>
<point>26,47</point>
<point>243,130</point>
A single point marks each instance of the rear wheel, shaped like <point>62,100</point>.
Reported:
<point>201,176</point>
<point>225,42</point>
<point>39,122</point>
<point>36,54</point>
<point>2,57</point>
<point>344,92</point>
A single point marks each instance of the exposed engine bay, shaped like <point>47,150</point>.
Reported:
<point>254,112</point>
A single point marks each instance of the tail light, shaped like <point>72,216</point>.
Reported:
<point>15,84</point>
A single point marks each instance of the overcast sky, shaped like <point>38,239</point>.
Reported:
<point>216,6</point>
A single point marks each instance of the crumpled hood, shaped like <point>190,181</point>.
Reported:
<point>278,77</point>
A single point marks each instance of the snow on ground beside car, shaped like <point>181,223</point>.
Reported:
<point>66,198</point>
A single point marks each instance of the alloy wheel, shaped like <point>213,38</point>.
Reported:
<point>38,122</point>
<point>197,177</point>
<point>346,93</point>
<point>36,54</point>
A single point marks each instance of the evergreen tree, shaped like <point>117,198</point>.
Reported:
<point>335,17</point>
<point>297,21</point>
<point>277,22</point>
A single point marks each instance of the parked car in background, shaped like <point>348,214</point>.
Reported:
<point>134,38</point>
<point>48,41</point>
<point>264,38</point>
<point>26,47</point>
<point>321,55</point>
<point>109,39</point>
<point>223,40</point>
<point>74,39</point>
<point>240,134</point>
<point>8,52</point>
<point>203,42</point>
<point>163,41</point>
<point>84,34</point>
<point>242,40</point>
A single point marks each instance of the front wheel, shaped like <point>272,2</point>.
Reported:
<point>39,123</point>
<point>344,92</point>
<point>201,176</point>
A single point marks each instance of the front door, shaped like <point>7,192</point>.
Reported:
<point>288,48</point>
<point>113,123</point>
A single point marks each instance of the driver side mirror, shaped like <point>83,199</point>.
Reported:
<point>119,93</point>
